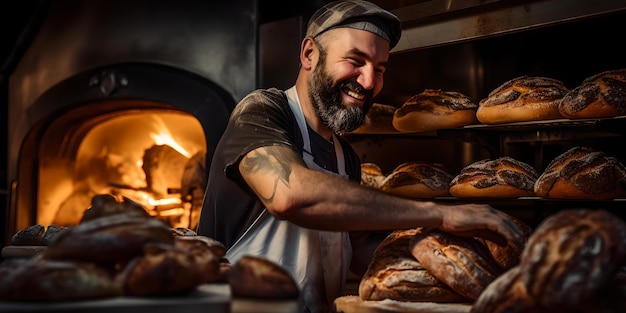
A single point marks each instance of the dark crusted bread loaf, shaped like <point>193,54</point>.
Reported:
<point>165,270</point>
<point>434,109</point>
<point>503,177</point>
<point>106,204</point>
<point>208,254</point>
<point>570,257</point>
<point>260,278</point>
<point>507,294</point>
<point>521,99</point>
<point>29,236</point>
<point>117,237</point>
<point>41,280</point>
<point>601,95</point>
<point>582,173</point>
<point>463,263</point>
<point>418,180</point>
<point>395,274</point>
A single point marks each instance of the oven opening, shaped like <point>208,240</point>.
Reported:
<point>155,157</point>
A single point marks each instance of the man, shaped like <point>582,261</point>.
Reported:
<point>284,186</point>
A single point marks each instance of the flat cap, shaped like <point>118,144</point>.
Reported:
<point>357,14</point>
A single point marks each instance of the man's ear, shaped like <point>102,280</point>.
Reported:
<point>308,53</point>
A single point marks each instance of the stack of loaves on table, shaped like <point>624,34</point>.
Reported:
<point>118,249</point>
<point>574,261</point>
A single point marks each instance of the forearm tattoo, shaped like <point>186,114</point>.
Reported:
<point>271,161</point>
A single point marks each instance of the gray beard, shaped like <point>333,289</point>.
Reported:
<point>328,105</point>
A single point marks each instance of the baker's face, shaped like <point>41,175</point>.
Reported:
<point>348,74</point>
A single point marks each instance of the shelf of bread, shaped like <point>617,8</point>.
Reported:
<point>523,103</point>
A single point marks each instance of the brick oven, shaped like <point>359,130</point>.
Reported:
<point>121,97</point>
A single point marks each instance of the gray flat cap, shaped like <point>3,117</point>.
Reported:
<point>357,14</point>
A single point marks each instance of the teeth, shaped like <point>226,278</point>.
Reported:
<point>355,95</point>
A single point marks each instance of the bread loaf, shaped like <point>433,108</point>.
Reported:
<point>462,263</point>
<point>509,255</point>
<point>503,177</point>
<point>378,120</point>
<point>371,175</point>
<point>434,109</point>
<point>418,180</point>
<point>165,270</point>
<point>582,173</point>
<point>524,98</point>
<point>106,204</point>
<point>507,294</point>
<point>570,257</point>
<point>29,236</point>
<point>601,95</point>
<point>260,278</point>
<point>116,238</point>
<point>40,280</point>
<point>395,274</point>
<point>52,232</point>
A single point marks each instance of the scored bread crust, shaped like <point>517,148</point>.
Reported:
<point>521,99</point>
<point>503,177</point>
<point>506,294</point>
<point>418,180</point>
<point>435,109</point>
<point>395,274</point>
<point>582,173</point>
<point>462,263</point>
<point>571,255</point>
<point>601,95</point>
<point>117,237</point>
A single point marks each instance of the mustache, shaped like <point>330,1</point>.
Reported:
<point>356,87</point>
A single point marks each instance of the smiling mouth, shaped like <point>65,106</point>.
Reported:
<point>354,94</point>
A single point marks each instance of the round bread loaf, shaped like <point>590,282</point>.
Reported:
<point>570,257</point>
<point>463,263</point>
<point>434,109</point>
<point>40,280</point>
<point>260,278</point>
<point>601,95</point>
<point>395,274</point>
<point>506,294</point>
<point>166,270</point>
<point>207,252</point>
<point>378,120</point>
<point>106,204</point>
<point>582,173</point>
<point>418,180</point>
<point>29,236</point>
<point>52,232</point>
<point>524,98</point>
<point>116,238</point>
<point>503,177</point>
<point>371,175</point>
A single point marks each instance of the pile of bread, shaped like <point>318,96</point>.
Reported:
<point>117,249</point>
<point>521,99</point>
<point>574,261</point>
<point>579,173</point>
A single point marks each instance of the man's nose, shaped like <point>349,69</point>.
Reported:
<point>367,78</point>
